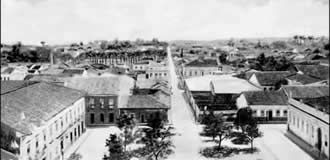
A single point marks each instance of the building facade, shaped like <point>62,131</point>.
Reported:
<point>46,127</point>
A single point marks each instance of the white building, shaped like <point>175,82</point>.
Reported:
<point>268,79</point>
<point>46,119</point>
<point>200,67</point>
<point>266,105</point>
<point>308,117</point>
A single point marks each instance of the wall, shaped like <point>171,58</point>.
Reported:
<point>303,123</point>
<point>97,109</point>
<point>198,71</point>
<point>141,115</point>
<point>45,141</point>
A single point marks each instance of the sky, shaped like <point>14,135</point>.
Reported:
<point>65,21</point>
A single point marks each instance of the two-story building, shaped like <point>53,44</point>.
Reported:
<point>103,97</point>
<point>40,120</point>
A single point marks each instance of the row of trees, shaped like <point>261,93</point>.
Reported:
<point>217,127</point>
<point>269,63</point>
<point>155,138</point>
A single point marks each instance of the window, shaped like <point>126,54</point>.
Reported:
<point>312,131</point>
<point>142,118</point>
<point>277,113</point>
<point>132,115</point>
<point>102,102</point>
<point>165,74</point>
<point>56,126</point>
<point>325,140</point>
<point>195,73</point>
<point>111,102</point>
<point>28,149</point>
<point>202,73</point>
<point>50,130</point>
<point>150,74</point>
<point>91,101</point>
<point>44,133</point>
<point>254,113</point>
<point>66,118</point>
<point>156,74</point>
<point>307,128</point>
<point>262,112</point>
<point>302,125</point>
<point>285,113</point>
<point>61,123</point>
<point>102,117</point>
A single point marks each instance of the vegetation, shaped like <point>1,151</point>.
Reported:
<point>75,156</point>
<point>271,64</point>
<point>157,139</point>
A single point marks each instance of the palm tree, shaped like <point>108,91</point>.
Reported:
<point>43,43</point>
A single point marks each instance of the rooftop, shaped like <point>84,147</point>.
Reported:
<point>304,91</point>
<point>317,71</point>
<point>270,78</point>
<point>145,101</point>
<point>203,63</point>
<point>320,103</point>
<point>202,83</point>
<point>265,98</point>
<point>232,86</point>
<point>302,78</point>
<point>101,85</point>
<point>39,102</point>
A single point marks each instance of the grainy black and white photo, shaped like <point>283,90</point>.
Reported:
<point>165,80</point>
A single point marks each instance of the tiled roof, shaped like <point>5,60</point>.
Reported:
<point>150,83</point>
<point>5,155</point>
<point>95,85</point>
<point>203,63</point>
<point>46,78</point>
<point>318,71</point>
<point>232,86</point>
<point>265,98</point>
<point>270,78</point>
<point>303,79</point>
<point>304,91</point>
<point>101,85</point>
<point>72,72</point>
<point>321,103</point>
<point>8,70</point>
<point>9,86</point>
<point>145,101</point>
<point>38,102</point>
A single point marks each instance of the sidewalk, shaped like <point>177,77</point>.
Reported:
<point>77,144</point>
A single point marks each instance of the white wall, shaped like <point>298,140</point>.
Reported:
<point>305,126</point>
<point>69,117</point>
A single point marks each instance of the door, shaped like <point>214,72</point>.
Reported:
<point>111,118</point>
<point>270,115</point>
<point>92,118</point>
<point>319,139</point>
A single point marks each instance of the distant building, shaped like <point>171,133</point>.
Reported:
<point>316,71</point>
<point>40,120</point>
<point>267,106</point>
<point>151,70</point>
<point>308,118</point>
<point>200,67</point>
<point>301,79</point>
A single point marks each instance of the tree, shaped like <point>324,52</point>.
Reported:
<point>243,118</point>
<point>327,46</point>
<point>43,43</point>
<point>279,45</point>
<point>115,148</point>
<point>223,58</point>
<point>157,138</point>
<point>261,59</point>
<point>81,43</point>
<point>126,124</point>
<point>219,128</point>
<point>252,132</point>
<point>103,45</point>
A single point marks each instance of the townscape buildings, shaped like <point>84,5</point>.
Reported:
<point>47,107</point>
